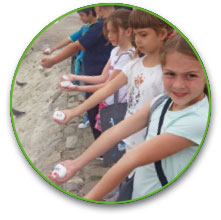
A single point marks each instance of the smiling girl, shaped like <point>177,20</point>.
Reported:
<point>182,77</point>
<point>182,130</point>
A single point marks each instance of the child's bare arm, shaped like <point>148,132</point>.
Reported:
<point>106,141</point>
<point>114,74</point>
<point>96,98</point>
<point>89,88</point>
<point>148,152</point>
<point>92,79</point>
<point>59,45</point>
<point>68,51</point>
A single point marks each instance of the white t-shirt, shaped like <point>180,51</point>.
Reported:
<point>189,123</point>
<point>118,64</point>
<point>144,83</point>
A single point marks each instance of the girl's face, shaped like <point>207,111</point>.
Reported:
<point>183,79</point>
<point>115,37</point>
<point>148,40</point>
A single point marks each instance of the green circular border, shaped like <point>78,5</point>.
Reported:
<point>28,47</point>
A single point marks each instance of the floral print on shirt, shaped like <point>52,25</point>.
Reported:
<point>135,93</point>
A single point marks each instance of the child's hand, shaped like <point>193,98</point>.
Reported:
<point>71,170</point>
<point>69,88</point>
<point>68,117</point>
<point>47,62</point>
<point>47,51</point>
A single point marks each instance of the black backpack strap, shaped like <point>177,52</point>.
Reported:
<point>153,107</point>
<point>158,164</point>
<point>127,186</point>
<point>116,94</point>
<point>166,106</point>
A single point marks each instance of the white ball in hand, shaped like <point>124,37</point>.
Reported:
<point>47,51</point>
<point>60,171</point>
<point>65,77</point>
<point>65,83</point>
<point>59,115</point>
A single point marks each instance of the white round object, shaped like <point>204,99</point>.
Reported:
<point>41,68</point>
<point>47,51</point>
<point>59,115</point>
<point>65,77</point>
<point>65,83</point>
<point>59,171</point>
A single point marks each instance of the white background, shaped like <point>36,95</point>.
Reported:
<point>25,195</point>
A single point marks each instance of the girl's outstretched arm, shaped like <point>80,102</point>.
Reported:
<point>105,142</point>
<point>92,79</point>
<point>68,51</point>
<point>148,152</point>
<point>89,88</point>
<point>100,95</point>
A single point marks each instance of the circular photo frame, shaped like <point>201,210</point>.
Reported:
<point>76,64</point>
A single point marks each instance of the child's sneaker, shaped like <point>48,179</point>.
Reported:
<point>84,124</point>
<point>100,158</point>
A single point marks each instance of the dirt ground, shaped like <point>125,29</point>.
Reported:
<point>44,142</point>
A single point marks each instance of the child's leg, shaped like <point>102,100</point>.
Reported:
<point>73,63</point>
<point>75,67</point>
<point>85,122</point>
<point>79,69</point>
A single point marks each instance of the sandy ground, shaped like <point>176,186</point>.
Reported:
<point>44,142</point>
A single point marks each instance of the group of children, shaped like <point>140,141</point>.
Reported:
<point>163,62</point>
<point>88,17</point>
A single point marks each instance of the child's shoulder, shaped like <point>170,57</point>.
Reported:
<point>139,60</point>
<point>136,60</point>
<point>115,50</point>
<point>201,108</point>
<point>126,52</point>
<point>159,98</point>
<point>98,24</point>
<point>190,122</point>
<point>85,28</point>
<point>196,114</point>
<point>133,65</point>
